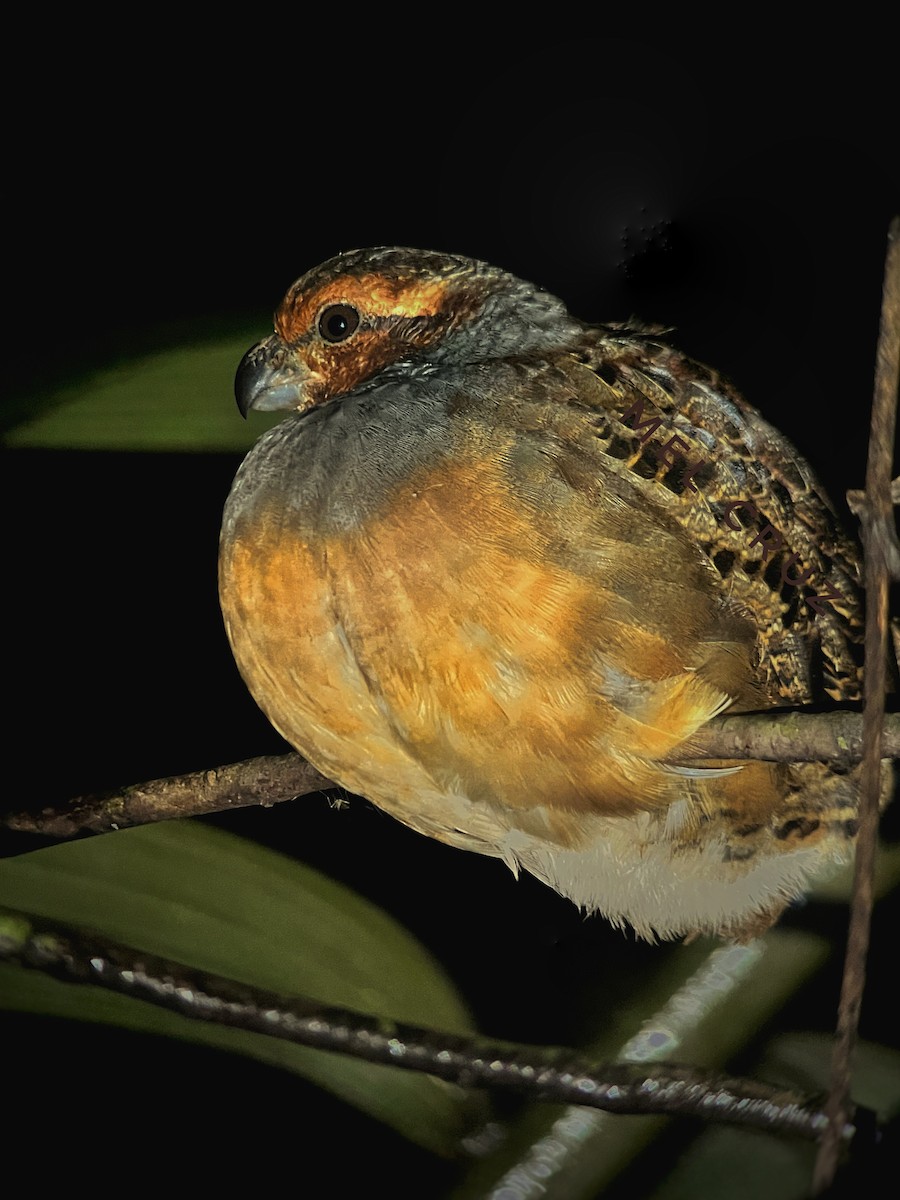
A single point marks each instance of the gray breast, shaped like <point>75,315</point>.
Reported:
<point>332,467</point>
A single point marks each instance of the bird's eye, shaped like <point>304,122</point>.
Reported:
<point>337,322</point>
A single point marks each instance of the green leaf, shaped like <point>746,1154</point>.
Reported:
<point>741,1165</point>
<point>837,888</point>
<point>697,1007</point>
<point>179,399</point>
<point>803,1061</point>
<point>202,897</point>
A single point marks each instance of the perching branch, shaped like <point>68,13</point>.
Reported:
<point>795,736</point>
<point>548,1074</point>
<point>266,781</point>
<point>792,736</point>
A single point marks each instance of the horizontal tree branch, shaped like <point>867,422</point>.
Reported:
<point>548,1074</point>
<point>269,780</point>
<point>793,736</point>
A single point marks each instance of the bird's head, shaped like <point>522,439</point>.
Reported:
<point>359,315</point>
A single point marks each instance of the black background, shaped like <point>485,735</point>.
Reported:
<point>738,188</point>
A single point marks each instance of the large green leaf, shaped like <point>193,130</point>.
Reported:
<point>202,897</point>
<point>179,399</point>
<point>741,1165</point>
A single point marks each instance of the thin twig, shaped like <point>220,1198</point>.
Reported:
<point>777,736</point>
<point>882,531</point>
<point>877,516</point>
<point>267,781</point>
<point>541,1073</point>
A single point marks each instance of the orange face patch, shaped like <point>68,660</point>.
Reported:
<point>373,295</point>
<point>383,336</point>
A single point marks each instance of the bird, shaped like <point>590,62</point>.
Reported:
<point>496,566</point>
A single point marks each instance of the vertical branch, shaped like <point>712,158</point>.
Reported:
<point>876,518</point>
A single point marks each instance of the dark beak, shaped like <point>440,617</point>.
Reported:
<point>269,379</point>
